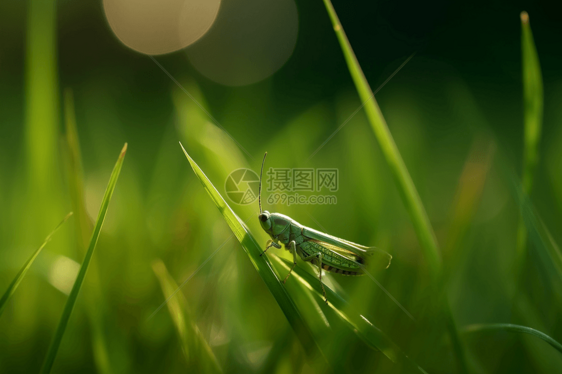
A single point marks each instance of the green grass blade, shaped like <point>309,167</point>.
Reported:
<point>533,102</point>
<point>405,184</point>
<point>513,328</point>
<point>360,325</point>
<point>263,267</point>
<point>83,229</point>
<point>200,358</point>
<point>17,280</point>
<point>42,116</point>
<point>53,348</point>
<point>533,113</point>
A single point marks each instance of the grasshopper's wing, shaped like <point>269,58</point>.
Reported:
<point>339,250</point>
<point>342,244</point>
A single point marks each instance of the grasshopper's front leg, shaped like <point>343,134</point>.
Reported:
<point>270,243</point>
<point>292,249</point>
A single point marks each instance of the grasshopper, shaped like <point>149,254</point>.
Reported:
<point>327,252</point>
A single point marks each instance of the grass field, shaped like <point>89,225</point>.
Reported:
<point>443,128</point>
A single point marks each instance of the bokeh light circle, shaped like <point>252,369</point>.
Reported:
<point>249,41</point>
<point>162,26</point>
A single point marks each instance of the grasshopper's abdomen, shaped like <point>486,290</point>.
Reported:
<point>331,261</point>
<point>340,271</point>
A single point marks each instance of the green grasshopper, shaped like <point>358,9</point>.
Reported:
<point>327,252</point>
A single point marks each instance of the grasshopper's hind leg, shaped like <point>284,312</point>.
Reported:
<point>320,256</point>
<point>293,250</point>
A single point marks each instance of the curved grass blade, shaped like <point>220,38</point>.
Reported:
<point>199,356</point>
<point>406,186</point>
<point>263,267</point>
<point>512,328</point>
<point>69,306</point>
<point>17,280</point>
<point>359,324</point>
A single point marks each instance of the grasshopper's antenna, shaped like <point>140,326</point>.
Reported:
<point>261,175</point>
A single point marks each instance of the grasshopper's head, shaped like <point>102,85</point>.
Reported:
<point>264,216</point>
<point>265,220</point>
<point>273,223</point>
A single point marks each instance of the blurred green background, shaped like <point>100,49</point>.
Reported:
<point>455,111</point>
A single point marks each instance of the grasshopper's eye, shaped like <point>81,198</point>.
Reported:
<point>263,217</point>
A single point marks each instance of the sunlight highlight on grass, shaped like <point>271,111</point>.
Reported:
<point>62,273</point>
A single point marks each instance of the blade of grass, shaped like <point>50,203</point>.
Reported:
<point>263,267</point>
<point>532,114</point>
<point>42,115</point>
<point>83,228</point>
<point>17,280</point>
<point>533,102</point>
<point>406,186</point>
<point>199,356</point>
<point>359,324</point>
<point>69,306</point>
<point>512,328</point>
